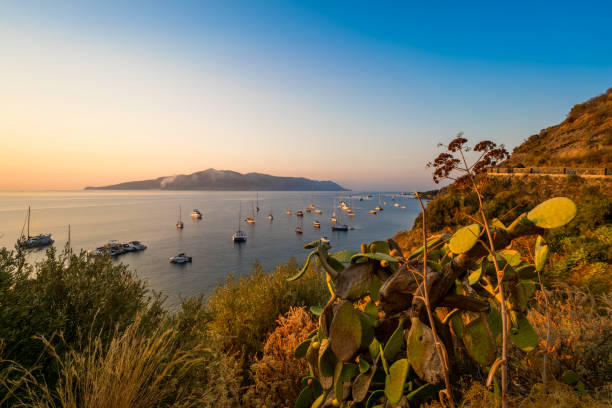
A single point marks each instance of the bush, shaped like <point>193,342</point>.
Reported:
<point>276,375</point>
<point>71,295</point>
<point>243,310</point>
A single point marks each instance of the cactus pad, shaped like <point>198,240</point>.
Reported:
<point>345,332</point>
<point>464,239</point>
<point>478,343</point>
<point>422,352</point>
<point>395,342</point>
<point>394,383</point>
<point>553,213</point>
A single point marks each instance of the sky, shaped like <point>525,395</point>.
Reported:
<point>358,92</point>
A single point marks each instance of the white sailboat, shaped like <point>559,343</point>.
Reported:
<point>251,219</point>
<point>36,241</point>
<point>239,235</point>
<point>179,223</point>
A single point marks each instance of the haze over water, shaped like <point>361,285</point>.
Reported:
<point>96,217</point>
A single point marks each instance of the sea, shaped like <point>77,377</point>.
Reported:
<point>96,217</point>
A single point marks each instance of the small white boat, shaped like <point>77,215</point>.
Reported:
<point>180,259</point>
<point>373,212</point>
<point>316,224</point>
<point>403,207</point>
<point>239,236</point>
<point>298,230</point>
<point>196,214</point>
<point>270,217</point>
<point>288,212</point>
<point>324,240</point>
<point>317,211</point>
<point>396,204</point>
<point>128,247</point>
<point>138,245</point>
<point>350,213</point>
<point>299,213</point>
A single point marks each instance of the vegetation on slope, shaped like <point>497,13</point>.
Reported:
<point>583,139</point>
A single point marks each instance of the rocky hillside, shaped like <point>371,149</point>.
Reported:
<point>583,139</point>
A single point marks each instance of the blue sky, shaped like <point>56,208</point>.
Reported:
<point>356,92</point>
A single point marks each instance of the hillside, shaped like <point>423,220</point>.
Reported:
<point>583,139</point>
<point>226,180</point>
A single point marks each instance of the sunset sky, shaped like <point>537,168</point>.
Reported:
<point>95,93</point>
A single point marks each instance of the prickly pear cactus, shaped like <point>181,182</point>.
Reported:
<point>374,344</point>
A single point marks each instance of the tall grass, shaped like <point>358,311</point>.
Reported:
<point>136,370</point>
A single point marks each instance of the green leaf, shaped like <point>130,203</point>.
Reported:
<point>431,243</point>
<point>525,337</point>
<point>316,310</point>
<point>464,239</point>
<point>375,288</point>
<point>345,332</point>
<point>497,223</point>
<point>344,256</point>
<point>395,380</point>
<point>377,256</point>
<point>478,343</point>
<point>312,244</point>
<point>375,398</point>
<point>327,361</point>
<point>569,377</point>
<point>511,256</point>
<point>301,349</point>
<point>301,272</point>
<point>553,213</point>
<point>421,350</point>
<point>395,342</point>
<point>477,274</point>
<point>541,253</point>
<point>380,246</point>
<point>306,398</point>
<point>526,272</point>
<point>374,348</point>
<point>363,365</point>
<point>424,391</point>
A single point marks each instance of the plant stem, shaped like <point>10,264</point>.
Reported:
<point>439,346</point>
<point>502,296</point>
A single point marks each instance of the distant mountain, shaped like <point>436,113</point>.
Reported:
<point>583,139</point>
<point>226,180</point>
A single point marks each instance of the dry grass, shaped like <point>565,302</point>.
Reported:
<point>277,373</point>
<point>136,370</point>
<point>581,335</point>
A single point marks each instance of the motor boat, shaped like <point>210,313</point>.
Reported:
<point>138,245</point>
<point>324,240</point>
<point>373,212</point>
<point>298,230</point>
<point>180,259</point>
<point>340,227</point>
<point>288,212</point>
<point>316,224</point>
<point>317,211</point>
<point>299,213</point>
<point>239,236</point>
<point>127,247</point>
<point>196,214</point>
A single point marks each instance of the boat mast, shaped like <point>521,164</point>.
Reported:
<point>28,222</point>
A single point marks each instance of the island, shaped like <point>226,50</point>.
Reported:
<point>226,180</point>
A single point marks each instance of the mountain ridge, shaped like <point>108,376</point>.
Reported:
<point>225,180</point>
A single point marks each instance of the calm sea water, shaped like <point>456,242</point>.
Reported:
<point>96,217</point>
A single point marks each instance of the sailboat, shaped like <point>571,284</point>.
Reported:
<point>379,207</point>
<point>179,223</point>
<point>298,229</point>
<point>333,218</point>
<point>35,241</point>
<point>337,225</point>
<point>257,206</point>
<point>251,219</point>
<point>270,216</point>
<point>239,236</point>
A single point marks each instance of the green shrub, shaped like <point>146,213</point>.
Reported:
<point>243,310</point>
